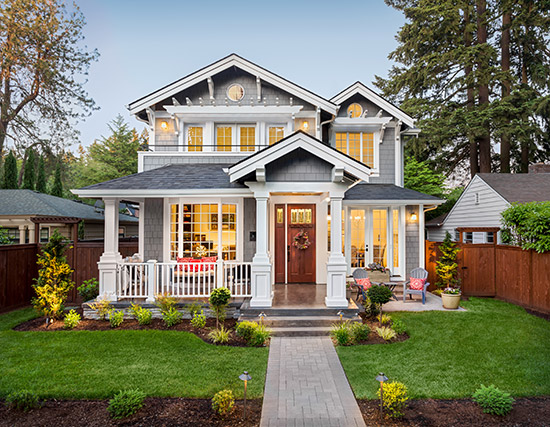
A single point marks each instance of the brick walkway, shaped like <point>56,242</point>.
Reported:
<point>306,385</point>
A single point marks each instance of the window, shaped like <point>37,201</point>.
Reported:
<point>468,237</point>
<point>354,111</point>
<point>457,236</point>
<point>476,198</point>
<point>379,229</point>
<point>224,136</point>
<point>490,237</point>
<point>248,138</point>
<point>13,234</point>
<point>275,134</point>
<point>359,145</point>
<point>121,232</point>
<point>194,138</point>
<point>44,235</point>
<point>235,92</point>
<point>198,228</point>
<point>300,216</point>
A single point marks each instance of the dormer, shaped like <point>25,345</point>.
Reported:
<point>370,129</point>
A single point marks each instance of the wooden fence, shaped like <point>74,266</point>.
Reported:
<point>506,272</point>
<point>18,269</point>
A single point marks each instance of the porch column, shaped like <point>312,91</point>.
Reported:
<point>108,261</point>
<point>336,265</point>
<point>421,238</point>
<point>22,234</point>
<point>261,265</point>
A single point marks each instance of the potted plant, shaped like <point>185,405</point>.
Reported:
<point>447,272</point>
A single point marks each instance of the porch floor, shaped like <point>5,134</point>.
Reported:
<point>300,295</point>
<point>433,303</point>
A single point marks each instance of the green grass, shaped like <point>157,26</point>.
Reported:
<point>449,355</point>
<point>86,364</point>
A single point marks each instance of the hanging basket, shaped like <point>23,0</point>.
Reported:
<point>301,241</point>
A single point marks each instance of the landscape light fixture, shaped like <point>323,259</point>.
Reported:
<point>341,314</point>
<point>245,378</point>
<point>381,378</point>
<point>261,316</point>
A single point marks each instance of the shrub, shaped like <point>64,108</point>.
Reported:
<point>341,333</point>
<point>384,319</point>
<point>260,336</point>
<point>379,295</point>
<point>142,315</point>
<point>386,333</point>
<point>165,302</point>
<point>103,308</point>
<point>219,335</point>
<point>447,266</point>
<point>493,400</point>
<point>359,332</point>
<point>527,225</point>
<point>22,400</point>
<point>199,319</point>
<point>116,318</point>
<point>193,308</point>
<point>125,403</point>
<point>89,289</point>
<point>395,398</point>
<point>72,319</point>
<point>219,298</point>
<point>371,309</point>
<point>171,317</point>
<point>54,278</point>
<point>245,329</point>
<point>398,326</point>
<point>223,402</point>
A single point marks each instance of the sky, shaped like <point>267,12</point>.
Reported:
<point>321,45</point>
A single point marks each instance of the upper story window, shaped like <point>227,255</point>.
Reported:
<point>354,110</point>
<point>235,138</point>
<point>224,137</point>
<point>247,138</point>
<point>235,92</point>
<point>275,134</point>
<point>359,145</point>
<point>194,138</point>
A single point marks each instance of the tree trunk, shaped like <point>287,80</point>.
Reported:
<point>484,140</point>
<point>525,139</point>
<point>474,165</point>
<point>505,65</point>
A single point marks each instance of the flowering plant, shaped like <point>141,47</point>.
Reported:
<point>451,291</point>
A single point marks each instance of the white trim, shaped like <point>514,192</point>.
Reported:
<point>421,238</point>
<point>221,65</point>
<point>390,202</point>
<point>398,152</point>
<point>141,229</point>
<point>372,96</point>
<point>146,194</point>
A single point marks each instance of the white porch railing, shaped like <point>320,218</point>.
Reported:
<point>182,280</point>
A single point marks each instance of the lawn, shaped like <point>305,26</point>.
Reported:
<point>86,364</point>
<point>449,355</point>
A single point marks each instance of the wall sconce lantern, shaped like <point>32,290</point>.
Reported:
<point>305,125</point>
<point>163,125</point>
<point>413,216</point>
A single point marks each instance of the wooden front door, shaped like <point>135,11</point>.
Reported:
<point>301,260</point>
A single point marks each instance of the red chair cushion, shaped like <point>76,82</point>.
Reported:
<point>417,284</point>
<point>364,283</point>
<point>182,260</point>
<point>210,259</point>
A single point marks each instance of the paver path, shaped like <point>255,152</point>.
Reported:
<point>306,385</point>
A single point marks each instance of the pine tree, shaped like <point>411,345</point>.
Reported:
<point>57,188</point>
<point>29,175</point>
<point>41,178</point>
<point>10,172</point>
<point>446,266</point>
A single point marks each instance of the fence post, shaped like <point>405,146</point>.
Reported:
<point>151,280</point>
<point>220,274</point>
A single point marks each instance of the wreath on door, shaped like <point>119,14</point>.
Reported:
<point>301,240</point>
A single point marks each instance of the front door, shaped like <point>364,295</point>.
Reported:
<point>295,243</point>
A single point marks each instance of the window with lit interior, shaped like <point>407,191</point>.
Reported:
<point>235,92</point>
<point>359,145</point>
<point>354,110</point>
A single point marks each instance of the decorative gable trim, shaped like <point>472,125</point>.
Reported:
<point>232,60</point>
<point>342,163</point>
<point>372,96</point>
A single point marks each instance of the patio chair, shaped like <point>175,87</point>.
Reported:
<point>358,274</point>
<point>417,273</point>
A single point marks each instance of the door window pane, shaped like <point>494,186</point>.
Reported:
<point>357,218</point>
<point>368,149</point>
<point>395,238</point>
<point>379,235</point>
<point>229,232</point>
<point>194,138</point>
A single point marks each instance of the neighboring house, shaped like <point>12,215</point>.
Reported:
<point>242,165</point>
<point>486,196</point>
<point>21,211</point>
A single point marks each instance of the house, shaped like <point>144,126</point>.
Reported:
<point>266,183</point>
<point>477,211</point>
<point>30,216</point>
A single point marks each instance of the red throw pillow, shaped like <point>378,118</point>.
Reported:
<point>364,283</point>
<point>182,260</point>
<point>417,284</point>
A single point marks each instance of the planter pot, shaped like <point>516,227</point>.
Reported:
<point>348,293</point>
<point>450,301</point>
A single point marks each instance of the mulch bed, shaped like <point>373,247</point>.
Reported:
<point>374,338</point>
<point>155,412</point>
<point>39,325</point>
<point>532,411</point>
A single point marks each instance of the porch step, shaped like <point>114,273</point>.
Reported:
<point>296,321</point>
<point>314,331</point>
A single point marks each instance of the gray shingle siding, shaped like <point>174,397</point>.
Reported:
<point>299,166</point>
<point>153,230</point>
<point>386,159</point>
<point>249,224</point>
<point>411,242</point>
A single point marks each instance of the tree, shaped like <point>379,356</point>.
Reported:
<point>40,63</point>
<point>379,295</point>
<point>420,177</point>
<point>4,237</point>
<point>446,266</point>
<point>57,187</point>
<point>10,172</point>
<point>41,178</point>
<point>29,175</point>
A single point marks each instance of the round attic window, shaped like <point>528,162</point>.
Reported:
<point>235,92</point>
<point>354,110</point>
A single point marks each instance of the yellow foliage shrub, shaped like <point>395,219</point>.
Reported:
<point>395,399</point>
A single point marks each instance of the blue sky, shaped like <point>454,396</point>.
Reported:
<point>321,45</point>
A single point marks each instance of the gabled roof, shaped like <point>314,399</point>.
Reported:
<point>295,141</point>
<point>28,202</point>
<point>372,96</point>
<point>519,187</point>
<point>232,60</point>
